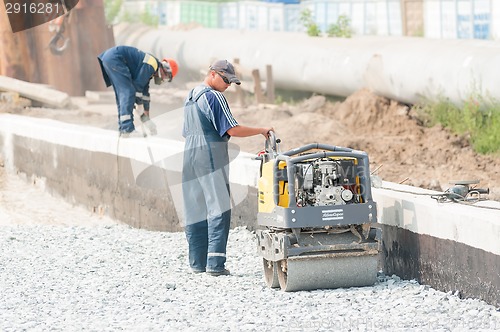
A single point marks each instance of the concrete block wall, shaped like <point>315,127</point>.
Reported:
<point>136,181</point>
<point>449,246</point>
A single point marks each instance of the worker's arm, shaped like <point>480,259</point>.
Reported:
<point>244,131</point>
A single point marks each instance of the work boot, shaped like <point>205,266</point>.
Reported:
<point>131,134</point>
<point>150,125</point>
<point>224,272</point>
<point>198,271</point>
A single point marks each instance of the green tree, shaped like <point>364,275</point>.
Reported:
<point>114,14</point>
<point>341,29</point>
<point>149,19</point>
<point>112,9</point>
<point>311,26</point>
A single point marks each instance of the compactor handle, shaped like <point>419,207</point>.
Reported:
<point>481,190</point>
<point>272,144</point>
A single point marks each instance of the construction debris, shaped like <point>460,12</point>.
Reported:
<point>12,99</point>
<point>38,93</point>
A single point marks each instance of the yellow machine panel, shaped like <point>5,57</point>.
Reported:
<point>265,186</point>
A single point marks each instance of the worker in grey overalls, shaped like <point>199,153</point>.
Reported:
<point>208,126</point>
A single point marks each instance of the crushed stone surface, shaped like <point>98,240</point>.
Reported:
<point>63,268</point>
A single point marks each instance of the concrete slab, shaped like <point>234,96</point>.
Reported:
<point>414,209</point>
<point>40,93</point>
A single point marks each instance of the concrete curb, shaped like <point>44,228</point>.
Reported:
<point>449,246</point>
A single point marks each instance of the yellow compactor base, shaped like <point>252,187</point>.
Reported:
<point>333,270</point>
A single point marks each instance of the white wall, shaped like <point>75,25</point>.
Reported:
<point>495,20</point>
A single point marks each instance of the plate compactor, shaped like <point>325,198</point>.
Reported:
<point>316,219</point>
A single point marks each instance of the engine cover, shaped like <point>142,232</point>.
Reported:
<point>326,181</point>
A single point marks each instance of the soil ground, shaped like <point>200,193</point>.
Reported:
<point>401,150</point>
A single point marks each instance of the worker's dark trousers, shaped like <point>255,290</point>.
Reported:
<point>207,241</point>
<point>121,79</point>
<point>207,204</point>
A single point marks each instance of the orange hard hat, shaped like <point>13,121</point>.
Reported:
<point>173,66</point>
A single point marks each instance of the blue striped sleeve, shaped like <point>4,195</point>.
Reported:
<point>222,117</point>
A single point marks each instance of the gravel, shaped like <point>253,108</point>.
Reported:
<point>65,269</point>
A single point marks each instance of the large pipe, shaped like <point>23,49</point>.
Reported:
<point>407,69</point>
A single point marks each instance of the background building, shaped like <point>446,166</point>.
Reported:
<point>455,19</point>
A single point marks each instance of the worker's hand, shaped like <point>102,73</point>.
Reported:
<point>139,110</point>
<point>266,132</point>
<point>149,124</point>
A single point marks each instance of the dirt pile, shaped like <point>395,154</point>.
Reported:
<point>388,131</point>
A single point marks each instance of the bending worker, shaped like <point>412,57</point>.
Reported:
<point>129,71</point>
<point>208,126</point>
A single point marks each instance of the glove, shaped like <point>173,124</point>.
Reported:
<point>149,124</point>
<point>139,110</point>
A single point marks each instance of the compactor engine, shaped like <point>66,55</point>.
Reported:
<point>316,218</point>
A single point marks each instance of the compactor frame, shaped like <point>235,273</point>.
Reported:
<point>317,219</point>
